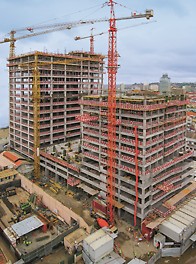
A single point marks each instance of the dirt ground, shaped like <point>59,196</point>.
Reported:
<point>57,257</point>
<point>4,132</point>
<point>80,207</point>
<point>130,244</point>
<point>21,197</point>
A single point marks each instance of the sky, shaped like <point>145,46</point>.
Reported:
<point>146,51</point>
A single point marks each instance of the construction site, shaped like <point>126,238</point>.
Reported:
<point>81,158</point>
<point>27,224</point>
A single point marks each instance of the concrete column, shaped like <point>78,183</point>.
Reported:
<point>46,171</point>
<point>144,142</point>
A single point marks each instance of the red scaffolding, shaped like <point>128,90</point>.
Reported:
<point>112,71</point>
<point>136,176</point>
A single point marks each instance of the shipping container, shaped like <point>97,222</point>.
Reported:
<point>170,230</point>
<point>98,245</point>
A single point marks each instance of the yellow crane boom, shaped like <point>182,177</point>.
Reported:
<point>62,26</point>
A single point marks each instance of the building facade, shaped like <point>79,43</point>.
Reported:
<point>165,84</point>
<point>152,163</point>
<point>63,78</point>
<point>155,127</point>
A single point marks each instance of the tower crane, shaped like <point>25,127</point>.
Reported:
<point>49,28</point>
<point>111,117</point>
<point>91,36</point>
<point>112,71</point>
<point>92,42</point>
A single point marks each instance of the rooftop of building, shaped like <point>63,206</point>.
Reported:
<point>11,159</point>
<point>7,173</point>
<point>5,162</point>
<point>70,55</point>
<point>140,95</point>
<point>173,205</point>
<point>185,214</point>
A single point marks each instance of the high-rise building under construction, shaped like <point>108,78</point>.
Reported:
<point>151,161</point>
<point>62,80</point>
<point>152,164</point>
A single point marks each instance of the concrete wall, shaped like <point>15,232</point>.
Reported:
<point>188,243</point>
<point>15,183</point>
<point>54,205</point>
<point>171,252</point>
<point>154,258</point>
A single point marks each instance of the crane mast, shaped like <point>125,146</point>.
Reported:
<point>112,71</point>
<point>12,44</point>
<point>92,42</point>
<point>36,117</point>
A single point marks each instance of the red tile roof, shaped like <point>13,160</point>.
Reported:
<point>11,156</point>
<point>19,162</point>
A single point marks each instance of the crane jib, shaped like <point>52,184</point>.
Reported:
<point>63,26</point>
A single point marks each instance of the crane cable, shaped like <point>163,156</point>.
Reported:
<point>123,28</point>
<point>56,18</point>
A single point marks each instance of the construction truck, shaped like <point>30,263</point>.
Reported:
<point>26,207</point>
